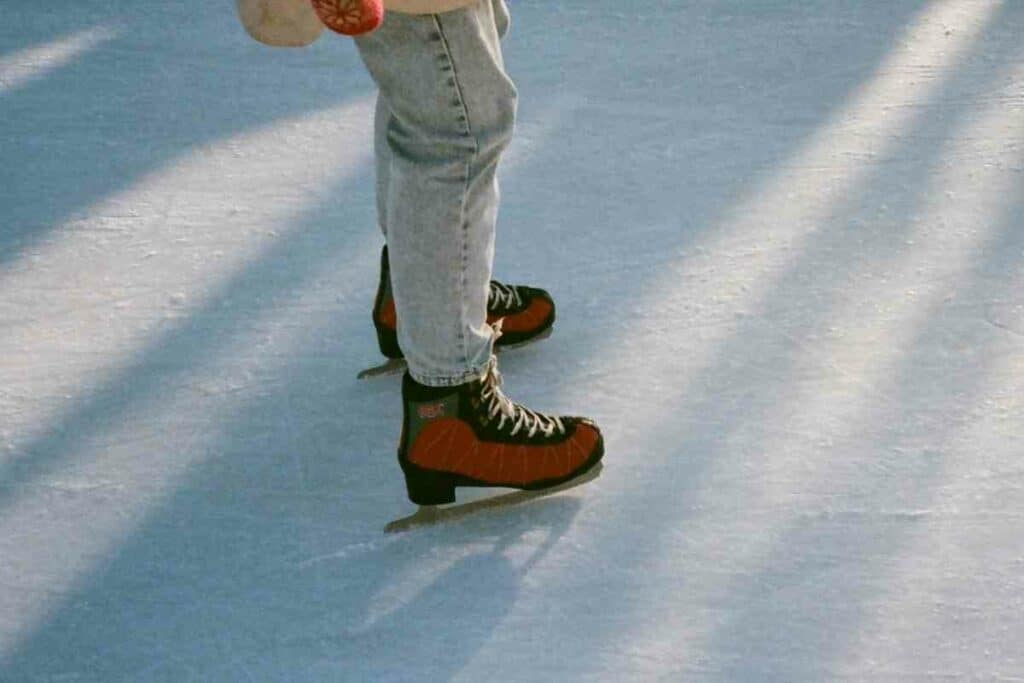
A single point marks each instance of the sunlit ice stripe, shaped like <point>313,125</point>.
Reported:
<point>855,383</point>
<point>207,215</point>
<point>857,389</point>
<point>276,175</point>
<point>783,214</point>
<point>29,64</point>
<point>780,217</point>
<point>984,433</point>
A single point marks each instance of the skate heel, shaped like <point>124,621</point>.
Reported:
<point>429,488</point>
<point>387,341</point>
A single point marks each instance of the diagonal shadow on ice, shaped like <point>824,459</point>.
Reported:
<point>147,84</point>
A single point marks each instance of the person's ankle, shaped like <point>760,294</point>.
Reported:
<point>427,392</point>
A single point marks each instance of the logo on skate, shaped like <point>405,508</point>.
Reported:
<point>431,411</point>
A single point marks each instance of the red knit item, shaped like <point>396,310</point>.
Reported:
<point>350,17</point>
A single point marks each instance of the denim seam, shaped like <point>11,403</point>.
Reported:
<point>463,223</point>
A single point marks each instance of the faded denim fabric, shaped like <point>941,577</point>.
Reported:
<point>445,114</point>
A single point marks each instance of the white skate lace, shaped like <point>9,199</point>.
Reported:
<point>501,406</point>
<point>504,295</point>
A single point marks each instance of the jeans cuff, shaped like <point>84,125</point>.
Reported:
<point>452,380</point>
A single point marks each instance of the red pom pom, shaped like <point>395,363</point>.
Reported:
<point>350,17</point>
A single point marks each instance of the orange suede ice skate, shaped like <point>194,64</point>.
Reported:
<point>473,435</point>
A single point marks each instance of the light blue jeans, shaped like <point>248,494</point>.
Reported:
<point>445,114</point>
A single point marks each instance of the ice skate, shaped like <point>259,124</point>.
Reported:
<point>527,315</point>
<point>473,435</point>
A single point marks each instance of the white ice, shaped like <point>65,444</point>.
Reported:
<point>787,243</point>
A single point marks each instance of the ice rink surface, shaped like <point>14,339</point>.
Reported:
<point>787,243</point>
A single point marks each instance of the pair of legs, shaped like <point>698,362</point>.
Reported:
<point>445,114</point>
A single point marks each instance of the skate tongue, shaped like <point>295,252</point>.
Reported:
<point>492,381</point>
<point>492,365</point>
<point>496,326</point>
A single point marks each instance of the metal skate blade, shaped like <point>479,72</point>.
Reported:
<point>430,515</point>
<point>393,367</point>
